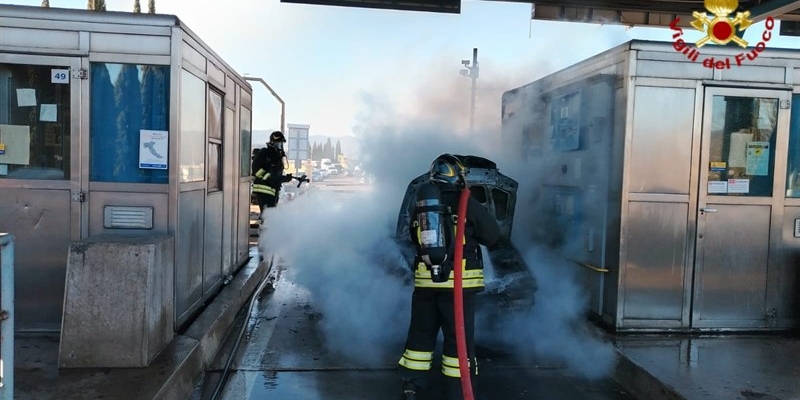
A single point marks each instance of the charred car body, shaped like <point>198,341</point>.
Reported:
<point>509,284</point>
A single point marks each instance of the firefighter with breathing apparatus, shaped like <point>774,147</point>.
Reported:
<point>433,233</point>
<point>267,171</point>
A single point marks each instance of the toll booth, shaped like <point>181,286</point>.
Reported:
<point>674,186</point>
<point>116,124</point>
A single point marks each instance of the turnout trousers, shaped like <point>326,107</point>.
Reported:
<point>266,200</point>
<point>431,311</point>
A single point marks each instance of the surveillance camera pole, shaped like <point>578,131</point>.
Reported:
<point>473,73</point>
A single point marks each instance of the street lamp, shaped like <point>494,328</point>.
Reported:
<point>280,100</point>
<point>471,71</point>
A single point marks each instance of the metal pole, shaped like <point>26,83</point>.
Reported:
<point>473,73</point>
<point>6,316</point>
<point>280,100</point>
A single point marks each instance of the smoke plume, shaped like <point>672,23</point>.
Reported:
<point>342,248</point>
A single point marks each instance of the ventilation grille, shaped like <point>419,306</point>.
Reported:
<point>126,217</point>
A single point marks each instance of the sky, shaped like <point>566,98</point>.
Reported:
<point>334,65</point>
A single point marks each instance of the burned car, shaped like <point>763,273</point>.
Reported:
<point>510,284</point>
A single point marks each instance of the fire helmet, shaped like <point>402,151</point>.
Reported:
<point>277,136</point>
<point>447,168</point>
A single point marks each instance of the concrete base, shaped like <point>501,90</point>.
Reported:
<point>118,302</point>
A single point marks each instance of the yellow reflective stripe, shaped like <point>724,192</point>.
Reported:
<point>418,355</point>
<point>260,172</point>
<point>263,189</point>
<point>428,283</point>
<point>267,176</point>
<point>450,361</point>
<point>452,372</point>
<point>415,365</point>
<point>470,278</point>
<point>450,366</point>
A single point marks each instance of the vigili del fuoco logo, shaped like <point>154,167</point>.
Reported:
<point>720,29</point>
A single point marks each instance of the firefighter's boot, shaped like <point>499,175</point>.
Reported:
<point>409,391</point>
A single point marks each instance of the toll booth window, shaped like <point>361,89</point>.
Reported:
<point>245,142</point>
<point>192,152</point>
<point>34,122</point>
<point>214,115</point>
<point>478,193</point>
<point>129,123</point>
<point>500,198</point>
<point>742,146</point>
<point>793,166</point>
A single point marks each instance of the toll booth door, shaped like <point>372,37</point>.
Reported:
<point>40,178</point>
<point>739,207</point>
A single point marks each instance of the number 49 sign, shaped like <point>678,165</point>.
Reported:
<point>59,75</point>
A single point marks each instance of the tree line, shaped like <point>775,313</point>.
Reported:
<point>100,5</point>
<point>319,151</point>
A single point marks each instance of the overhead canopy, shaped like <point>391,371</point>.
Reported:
<point>443,6</point>
<point>621,12</point>
<point>654,13</point>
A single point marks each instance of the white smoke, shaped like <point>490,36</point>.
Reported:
<point>343,249</point>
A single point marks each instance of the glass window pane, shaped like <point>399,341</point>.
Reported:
<point>214,167</point>
<point>793,167</point>
<point>126,99</point>
<point>193,125</point>
<point>34,122</point>
<point>244,142</point>
<point>214,115</point>
<point>742,146</point>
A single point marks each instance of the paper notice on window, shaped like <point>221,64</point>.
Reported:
<point>26,97</point>
<point>717,187</point>
<point>738,149</point>
<point>738,185</point>
<point>48,113</point>
<point>17,142</point>
<point>758,159</point>
<point>153,149</point>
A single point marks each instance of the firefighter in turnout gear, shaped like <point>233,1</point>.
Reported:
<point>432,231</point>
<point>267,172</point>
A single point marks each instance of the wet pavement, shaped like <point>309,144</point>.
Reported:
<point>282,356</point>
<point>729,367</point>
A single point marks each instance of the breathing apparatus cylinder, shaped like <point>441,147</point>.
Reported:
<point>434,230</point>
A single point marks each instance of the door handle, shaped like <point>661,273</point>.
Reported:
<point>708,210</point>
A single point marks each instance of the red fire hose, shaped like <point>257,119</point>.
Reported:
<point>458,297</point>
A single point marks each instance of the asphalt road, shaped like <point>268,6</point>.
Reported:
<point>282,356</point>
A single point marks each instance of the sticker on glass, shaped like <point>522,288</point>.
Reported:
<point>59,75</point>
<point>738,185</point>
<point>717,187</point>
<point>758,159</point>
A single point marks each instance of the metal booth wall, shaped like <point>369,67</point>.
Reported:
<point>672,186</point>
<point>97,142</point>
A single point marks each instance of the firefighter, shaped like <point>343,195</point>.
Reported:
<point>267,171</point>
<point>432,306</point>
